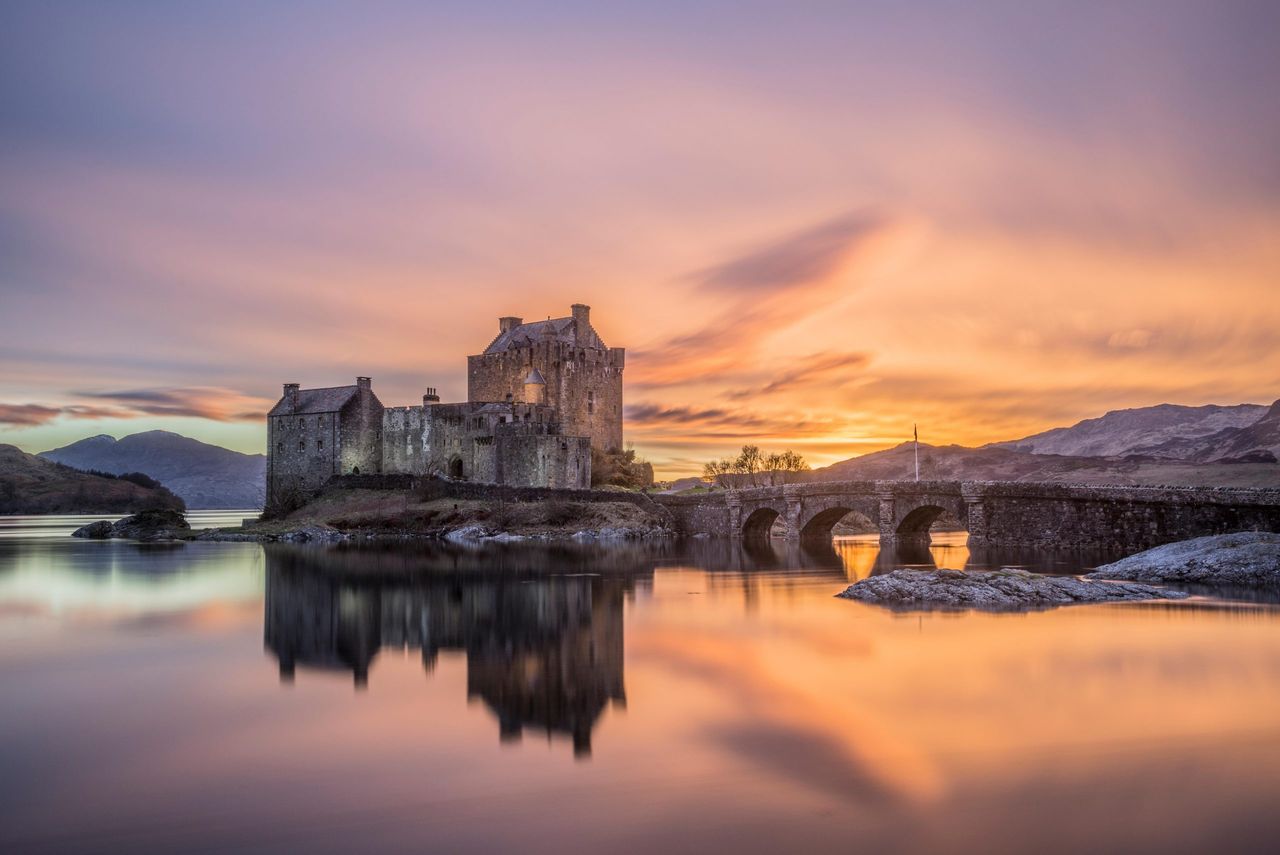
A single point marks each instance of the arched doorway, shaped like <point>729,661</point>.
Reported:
<point>455,467</point>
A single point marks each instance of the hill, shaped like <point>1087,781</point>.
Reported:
<point>204,475</point>
<point>31,485</point>
<point>993,463</point>
<point>1167,430</point>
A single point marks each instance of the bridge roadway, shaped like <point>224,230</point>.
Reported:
<point>993,512</point>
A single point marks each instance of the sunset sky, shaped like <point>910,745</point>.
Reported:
<point>810,224</point>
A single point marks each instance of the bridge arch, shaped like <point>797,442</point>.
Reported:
<point>820,525</point>
<point>818,514</point>
<point>757,524</point>
<point>913,519</point>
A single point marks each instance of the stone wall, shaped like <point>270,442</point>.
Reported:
<point>406,440</point>
<point>1116,517</point>
<point>492,443</point>
<point>561,462</point>
<point>360,431</point>
<point>304,454</point>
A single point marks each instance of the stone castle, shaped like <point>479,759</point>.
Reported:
<point>540,397</point>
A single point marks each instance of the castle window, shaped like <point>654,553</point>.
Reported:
<point>319,445</point>
<point>302,445</point>
<point>280,446</point>
<point>591,402</point>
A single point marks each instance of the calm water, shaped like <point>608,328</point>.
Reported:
<point>676,698</point>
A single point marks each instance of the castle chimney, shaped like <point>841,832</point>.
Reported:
<point>431,397</point>
<point>509,323</point>
<point>364,382</point>
<point>291,394</point>
<point>581,321</point>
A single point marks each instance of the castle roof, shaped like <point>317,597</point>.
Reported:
<point>535,377</point>
<point>328,400</point>
<point>563,330</point>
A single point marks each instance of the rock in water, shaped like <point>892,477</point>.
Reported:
<point>996,590</point>
<point>99,530</point>
<point>161,524</point>
<point>1249,559</point>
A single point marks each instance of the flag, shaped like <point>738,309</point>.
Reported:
<point>915,431</point>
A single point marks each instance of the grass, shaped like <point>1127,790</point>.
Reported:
<point>378,511</point>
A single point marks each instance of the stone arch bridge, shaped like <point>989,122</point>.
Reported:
<point>1014,513</point>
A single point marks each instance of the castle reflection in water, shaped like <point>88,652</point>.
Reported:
<point>541,627</point>
<point>543,651</point>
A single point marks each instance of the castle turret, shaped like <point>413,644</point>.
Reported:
<point>509,323</point>
<point>535,388</point>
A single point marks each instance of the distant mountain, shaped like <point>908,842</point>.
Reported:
<point>1257,441</point>
<point>31,485</point>
<point>1167,430</point>
<point>992,463</point>
<point>204,475</point>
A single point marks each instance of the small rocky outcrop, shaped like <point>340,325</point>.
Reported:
<point>151,525</point>
<point>995,590</point>
<point>100,530</point>
<point>313,534</point>
<point>1248,559</point>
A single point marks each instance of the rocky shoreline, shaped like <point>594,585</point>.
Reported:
<point>995,590</point>
<point>1243,560</point>
<point>464,535</point>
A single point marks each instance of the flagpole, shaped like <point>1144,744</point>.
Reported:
<point>915,430</point>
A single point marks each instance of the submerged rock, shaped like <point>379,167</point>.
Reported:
<point>995,590</point>
<point>1249,559</point>
<point>162,524</point>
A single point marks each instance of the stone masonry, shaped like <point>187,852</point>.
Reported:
<point>1003,513</point>
<point>540,397</point>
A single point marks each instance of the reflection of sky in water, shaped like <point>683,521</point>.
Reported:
<point>155,699</point>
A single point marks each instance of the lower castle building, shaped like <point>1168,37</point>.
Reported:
<point>540,397</point>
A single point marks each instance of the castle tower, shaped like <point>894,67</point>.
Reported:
<point>535,388</point>
<point>582,376</point>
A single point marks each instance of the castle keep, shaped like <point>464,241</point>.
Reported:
<point>540,397</point>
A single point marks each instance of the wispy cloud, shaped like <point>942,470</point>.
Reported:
<point>818,368</point>
<point>772,287</point>
<point>201,402</point>
<point>27,415</point>
<point>795,260</point>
